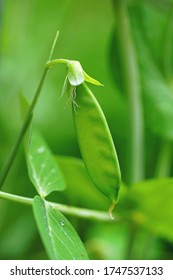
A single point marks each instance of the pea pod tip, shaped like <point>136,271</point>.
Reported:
<point>111,208</point>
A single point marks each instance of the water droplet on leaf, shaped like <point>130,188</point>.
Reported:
<point>40,150</point>
<point>62,223</point>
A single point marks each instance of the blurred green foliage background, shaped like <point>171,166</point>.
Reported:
<point>86,29</point>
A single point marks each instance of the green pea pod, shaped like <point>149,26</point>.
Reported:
<point>96,144</point>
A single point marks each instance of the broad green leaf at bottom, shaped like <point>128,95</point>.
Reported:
<point>59,237</point>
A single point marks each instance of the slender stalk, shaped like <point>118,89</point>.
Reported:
<point>53,45</point>
<point>132,88</point>
<point>28,118</point>
<point>50,63</point>
<point>16,198</point>
<point>129,64</point>
<point>70,210</point>
<point>84,213</point>
<point>25,125</point>
<point>167,47</point>
<point>164,160</point>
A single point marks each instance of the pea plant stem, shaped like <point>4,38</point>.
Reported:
<point>50,63</point>
<point>66,209</point>
<point>164,161</point>
<point>16,198</point>
<point>167,47</point>
<point>163,166</point>
<point>53,45</point>
<point>25,125</point>
<point>28,118</point>
<point>132,88</point>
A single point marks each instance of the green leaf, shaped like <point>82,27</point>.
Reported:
<point>59,237</point>
<point>91,80</point>
<point>158,103</point>
<point>157,91</point>
<point>42,167</point>
<point>75,73</point>
<point>153,206</point>
<point>153,37</point>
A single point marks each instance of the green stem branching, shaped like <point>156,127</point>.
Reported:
<point>66,209</point>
